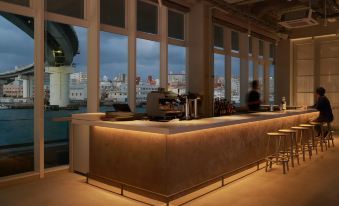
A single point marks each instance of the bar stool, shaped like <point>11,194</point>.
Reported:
<point>304,142</point>
<point>279,155</point>
<point>321,139</point>
<point>329,135</point>
<point>293,144</point>
<point>311,134</point>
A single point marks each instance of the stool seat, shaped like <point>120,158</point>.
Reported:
<point>317,123</point>
<point>276,134</point>
<point>299,128</point>
<point>306,125</point>
<point>287,130</point>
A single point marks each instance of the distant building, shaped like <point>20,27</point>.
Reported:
<point>78,78</point>
<point>13,89</point>
<point>78,93</point>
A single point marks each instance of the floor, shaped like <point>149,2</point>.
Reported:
<point>314,182</point>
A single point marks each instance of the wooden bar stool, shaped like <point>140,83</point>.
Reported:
<point>293,144</point>
<point>329,135</point>
<point>311,134</point>
<point>304,142</point>
<point>279,155</point>
<point>321,138</point>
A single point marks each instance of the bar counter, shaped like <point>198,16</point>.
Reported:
<point>167,158</point>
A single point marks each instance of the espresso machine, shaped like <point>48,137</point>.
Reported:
<point>163,105</point>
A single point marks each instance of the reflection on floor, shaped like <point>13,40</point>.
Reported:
<point>314,182</point>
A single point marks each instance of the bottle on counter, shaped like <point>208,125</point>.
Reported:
<point>283,104</point>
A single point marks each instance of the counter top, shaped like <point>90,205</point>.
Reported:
<point>175,126</point>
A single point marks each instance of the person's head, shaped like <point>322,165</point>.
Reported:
<point>255,84</point>
<point>320,91</point>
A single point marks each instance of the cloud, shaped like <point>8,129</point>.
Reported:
<point>17,48</point>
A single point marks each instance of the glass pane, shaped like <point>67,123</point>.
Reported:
<point>112,12</point>
<point>235,81</point>
<point>250,73</point>
<point>65,86</point>
<point>218,37</point>
<point>113,70</point>
<point>261,48</point>
<point>19,2</point>
<point>250,50</point>
<point>176,25</point>
<point>147,17</point>
<point>235,41</point>
<point>219,76</point>
<point>16,94</point>
<point>261,80</point>
<point>148,71</point>
<point>73,8</point>
<point>272,51</point>
<point>271,83</point>
<point>177,69</point>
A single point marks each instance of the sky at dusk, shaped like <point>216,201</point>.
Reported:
<point>17,49</point>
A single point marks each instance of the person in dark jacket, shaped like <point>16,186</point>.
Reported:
<point>253,97</point>
<point>323,105</point>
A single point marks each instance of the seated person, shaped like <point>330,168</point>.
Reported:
<point>323,105</point>
<point>253,97</point>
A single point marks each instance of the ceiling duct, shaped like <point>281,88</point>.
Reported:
<point>298,19</point>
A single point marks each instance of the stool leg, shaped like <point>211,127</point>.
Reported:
<point>314,145</point>
<point>302,143</point>
<point>284,169</point>
<point>291,150</point>
<point>296,147</point>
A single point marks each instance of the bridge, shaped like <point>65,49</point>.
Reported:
<point>60,48</point>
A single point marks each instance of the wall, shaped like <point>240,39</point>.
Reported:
<point>314,63</point>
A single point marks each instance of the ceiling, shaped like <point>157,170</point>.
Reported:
<point>268,12</point>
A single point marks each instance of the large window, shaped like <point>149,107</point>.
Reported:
<point>250,46</point>
<point>250,72</point>
<point>235,41</point>
<point>235,81</point>
<point>261,80</point>
<point>271,83</point>
<point>148,70</point>
<point>16,94</point>
<point>219,76</point>
<point>147,17</point>
<point>176,25</point>
<point>113,70</point>
<point>177,69</point>
<point>261,48</point>
<point>218,37</point>
<point>112,12</point>
<point>19,2</point>
<point>73,8</point>
<point>65,86</point>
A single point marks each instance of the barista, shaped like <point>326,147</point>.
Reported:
<point>253,97</point>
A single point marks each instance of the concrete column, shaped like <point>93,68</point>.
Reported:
<point>27,86</point>
<point>200,72</point>
<point>284,72</point>
<point>59,85</point>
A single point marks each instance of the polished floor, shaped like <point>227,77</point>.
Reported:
<point>314,182</point>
